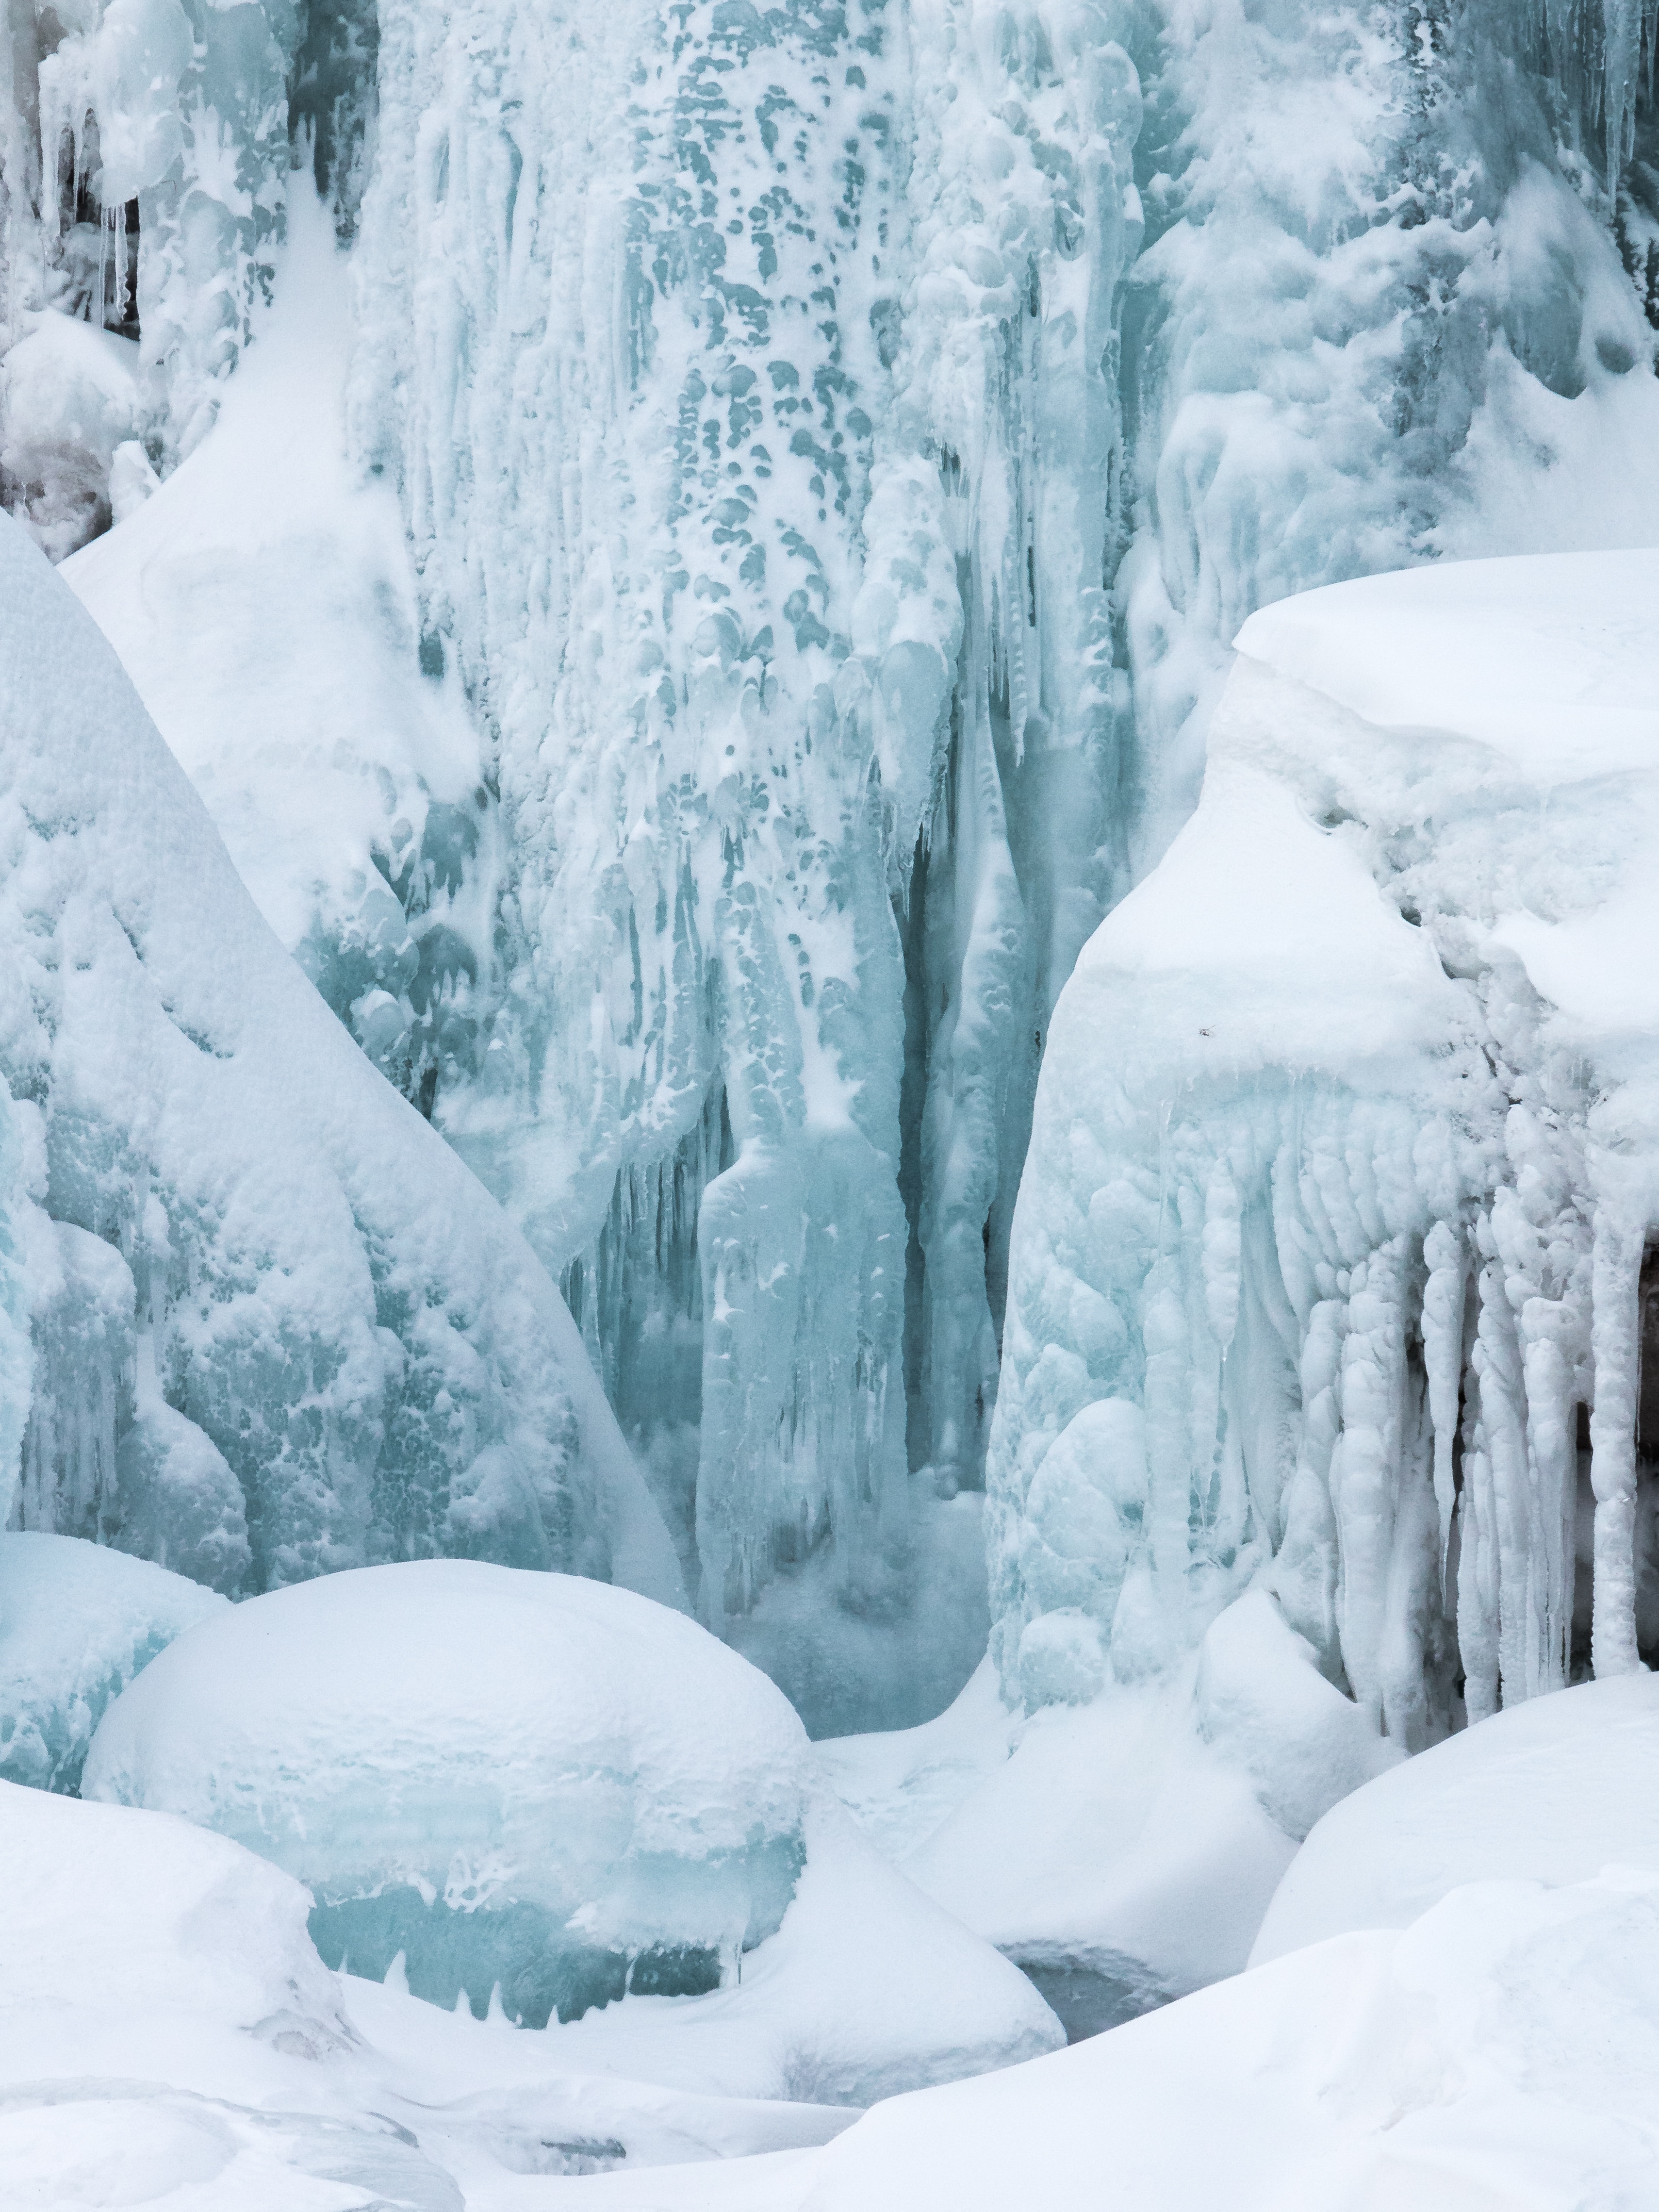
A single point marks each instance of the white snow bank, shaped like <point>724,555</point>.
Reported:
<point>1347,1155</point>
<point>1123,1849</point>
<point>77,1623</point>
<point>489,1778</point>
<point>169,2037</point>
<point>1503,2051</point>
<point>1550,1791</point>
<point>300,1267</point>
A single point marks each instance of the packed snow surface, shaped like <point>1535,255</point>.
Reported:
<point>277,1326</point>
<point>78,1622</point>
<point>1503,2050</point>
<point>1550,1791</point>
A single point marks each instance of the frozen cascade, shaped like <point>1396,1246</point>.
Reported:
<point>856,607</point>
<point>1338,1250</point>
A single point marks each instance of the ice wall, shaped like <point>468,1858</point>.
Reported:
<point>279,1329</point>
<point>1329,1267</point>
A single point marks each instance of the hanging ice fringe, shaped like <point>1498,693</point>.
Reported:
<point>1323,1183</point>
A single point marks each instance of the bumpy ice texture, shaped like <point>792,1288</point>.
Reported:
<point>1332,1250</point>
<point>78,1622</point>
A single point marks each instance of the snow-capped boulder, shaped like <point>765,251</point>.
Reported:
<point>490,1778</point>
<point>1551,1790</point>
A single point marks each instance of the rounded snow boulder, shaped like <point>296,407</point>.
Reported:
<point>1553,1791</point>
<point>77,1623</point>
<point>510,1777</point>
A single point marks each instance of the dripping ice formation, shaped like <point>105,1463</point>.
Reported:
<point>277,1328</point>
<point>1330,1273</point>
<point>836,448</point>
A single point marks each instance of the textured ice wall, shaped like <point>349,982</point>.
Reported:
<point>750,380</point>
<point>273,1314</point>
<point>1328,1262</point>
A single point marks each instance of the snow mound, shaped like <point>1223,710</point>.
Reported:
<point>250,1226</point>
<point>78,1622</point>
<point>1503,2051</point>
<point>1551,1791</point>
<point>513,1778</point>
<point>867,1989</point>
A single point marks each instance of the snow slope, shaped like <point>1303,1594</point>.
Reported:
<point>1550,1791</point>
<point>249,1229</point>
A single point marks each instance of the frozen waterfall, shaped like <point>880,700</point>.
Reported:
<point>835,446</point>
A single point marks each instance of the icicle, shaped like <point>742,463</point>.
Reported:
<point>1221,1253</point>
<point>1442,1352</point>
<point>1615,1340</point>
<point>1504,1422</point>
<point>1365,1470</point>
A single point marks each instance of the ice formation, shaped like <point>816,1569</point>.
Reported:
<point>1335,1250</point>
<point>276,1325</point>
<point>78,1622</point>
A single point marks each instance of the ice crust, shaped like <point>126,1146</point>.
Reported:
<point>276,1325</point>
<point>1352,1208</point>
<point>528,1782</point>
<point>78,1622</point>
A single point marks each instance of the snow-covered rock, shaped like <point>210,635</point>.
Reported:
<point>511,1778</point>
<point>169,2037</point>
<point>248,1225</point>
<point>1552,1792</point>
<point>548,1794</point>
<point>78,1622</point>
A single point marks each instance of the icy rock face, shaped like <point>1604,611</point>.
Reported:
<point>78,1622</point>
<point>753,512</point>
<point>528,1781</point>
<point>1345,1168</point>
<point>276,1322</point>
